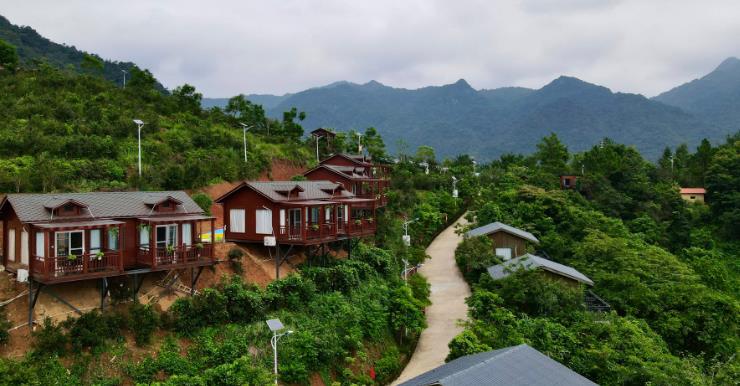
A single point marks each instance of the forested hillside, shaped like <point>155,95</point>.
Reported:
<point>33,47</point>
<point>668,269</point>
<point>66,131</point>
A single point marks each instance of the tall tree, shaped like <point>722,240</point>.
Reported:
<point>8,56</point>
<point>551,154</point>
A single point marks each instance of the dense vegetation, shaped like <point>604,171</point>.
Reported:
<point>669,269</point>
<point>82,135</point>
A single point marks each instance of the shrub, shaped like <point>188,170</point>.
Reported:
<point>49,339</point>
<point>144,321</point>
<point>235,253</point>
<point>290,292</point>
<point>473,256</point>
<point>4,326</point>
<point>388,366</point>
<point>240,372</point>
<point>207,307</point>
<point>244,303</point>
<point>420,288</point>
<point>92,329</point>
<point>203,201</point>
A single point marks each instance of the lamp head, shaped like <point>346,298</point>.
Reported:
<point>139,122</point>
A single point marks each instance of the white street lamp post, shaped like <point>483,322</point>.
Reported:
<point>139,123</point>
<point>244,134</point>
<point>317,147</point>
<point>454,187</point>
<point>359,143</point>
<point>276,325</point>
<point>124,77</point>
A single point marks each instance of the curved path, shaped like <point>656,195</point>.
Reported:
<point>449,291</point>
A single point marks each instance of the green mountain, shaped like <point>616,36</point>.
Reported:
<point>32,47</point>
<point>265,100</point>
<point>456,118</point>
<point>714,97</point>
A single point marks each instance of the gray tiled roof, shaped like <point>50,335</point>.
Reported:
<point>311,190</point>
<point>512,366</point>
<point>501,227</point>
<point>529,261</point>
<point>32,207</point>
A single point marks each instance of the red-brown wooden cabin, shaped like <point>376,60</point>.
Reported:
<point>78,236</point>
<point>295,212</point>
<point>356,173</point>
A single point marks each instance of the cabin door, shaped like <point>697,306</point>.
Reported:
<point>11,245</point>
<point>294,218</point>
<point>24,247</point>
<point>166,236</point>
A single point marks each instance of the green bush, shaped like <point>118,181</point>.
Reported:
<point>92,329</point>
<point>144,321</point>
<point>420,288</point>
<point>49,339</point>
<point>388,366</point>
<point>206,308</point>
<point>474,255</point>
<point>203,201</point>
<point>244,303</point>
<point>291,292</point>
<point>235,253</point>
<point>4,326</point>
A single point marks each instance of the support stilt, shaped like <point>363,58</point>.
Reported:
<point>56,296</point>
<point>277,261</point>
<point>103,292</point>
<point>194,280</point>
<point>32,298</point>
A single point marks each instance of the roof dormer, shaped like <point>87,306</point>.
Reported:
<point>162,203</point>
<point>61,207</point>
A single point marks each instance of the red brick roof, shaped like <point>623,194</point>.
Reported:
<point>693,191</point>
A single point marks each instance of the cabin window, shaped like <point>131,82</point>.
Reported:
<point>566,182</point>
<point>263,223</point>
<point>315,215</point>
<point>144,237</point>
<point>95,244</point>
<point>237,220</point>
<point>327,214</point>
<point>504,253</point>
<point>70,243</point>
<point>69,208</point>
<point>693,197</point>
<point>282,218</point>
<point>113,239</point>
<point>40,245</point>
<point>187,234</point>
<point>166,236</point>
<point>11,244</point>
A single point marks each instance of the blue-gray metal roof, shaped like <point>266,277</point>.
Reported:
<point>501,227</point>
<point>34,207</point>
<point>530,261</point>
<point>511,366</point>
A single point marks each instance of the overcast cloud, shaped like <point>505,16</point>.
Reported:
<point>229,47</point>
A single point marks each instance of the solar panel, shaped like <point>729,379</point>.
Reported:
<point>275,325</point>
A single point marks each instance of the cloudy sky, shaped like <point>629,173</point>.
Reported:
<point>229,47</point>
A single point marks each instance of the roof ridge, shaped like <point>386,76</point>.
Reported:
<point>506,351</point>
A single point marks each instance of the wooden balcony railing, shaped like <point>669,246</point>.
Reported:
<point>88,264</point>
<point>361,226</point>
<point>173,256</point>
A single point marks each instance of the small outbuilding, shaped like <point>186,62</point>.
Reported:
<point>532,262</point>
<point>508,242</point>
<point>568,181</point>
<point>693,194</point>
<point>511,366</point>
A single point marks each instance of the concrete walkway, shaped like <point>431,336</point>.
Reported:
<point>449,291</point>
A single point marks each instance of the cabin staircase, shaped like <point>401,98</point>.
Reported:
<point>172,281</point>
<point>596,304</point>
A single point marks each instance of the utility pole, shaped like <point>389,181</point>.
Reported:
<point>359,143</point>
<point>317,147</point>
<point>124,78</point>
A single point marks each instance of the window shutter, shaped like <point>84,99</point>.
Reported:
<point>282,218</point>
<point>237,220</point>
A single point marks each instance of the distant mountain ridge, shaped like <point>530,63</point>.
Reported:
<point>31,46</point>
<point>456,118</point>
<point>714,97</point>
